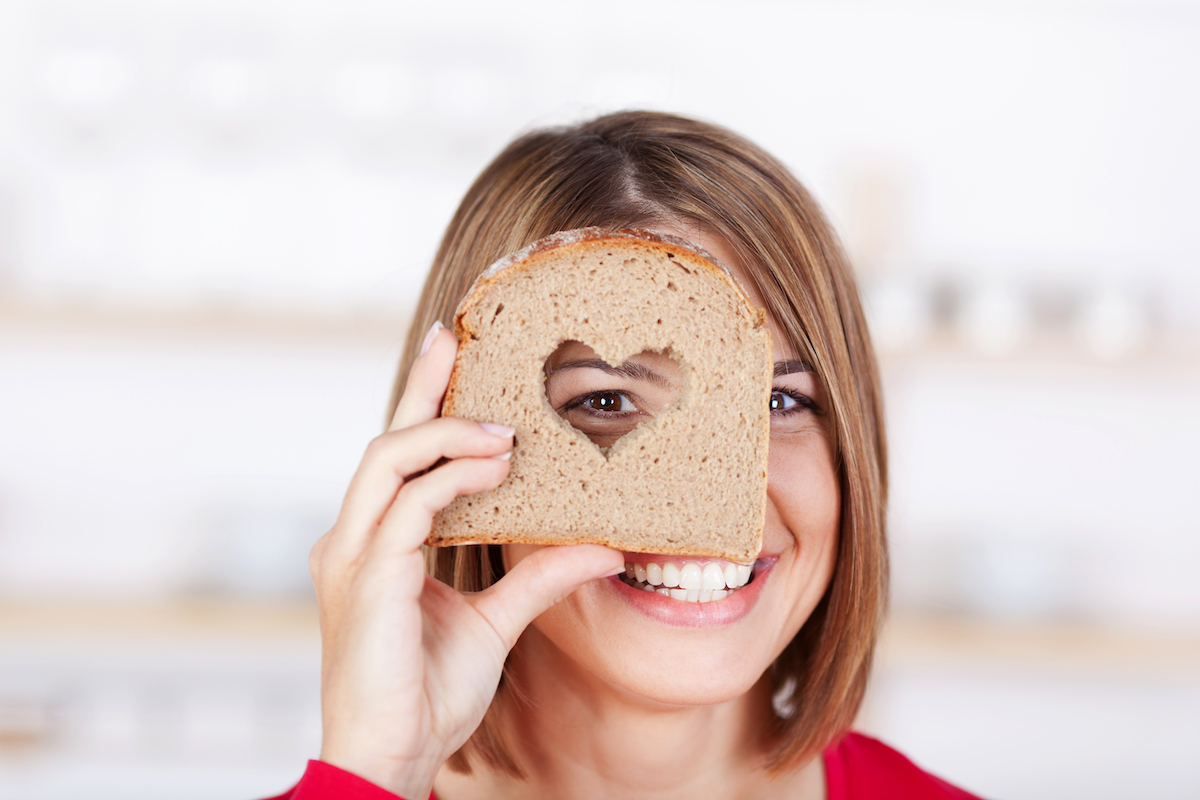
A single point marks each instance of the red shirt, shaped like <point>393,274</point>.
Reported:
<point>857,767</point>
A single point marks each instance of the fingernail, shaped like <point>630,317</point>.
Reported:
<point>616,571</point>
<point>497,430</point>
<point>505,456</point>
<point>430,336</point>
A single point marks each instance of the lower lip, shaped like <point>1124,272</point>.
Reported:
<point>681,614</point>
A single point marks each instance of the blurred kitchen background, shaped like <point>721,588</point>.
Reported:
<point>214,220</point>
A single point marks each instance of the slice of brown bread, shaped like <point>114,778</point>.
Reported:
<point>692,481</point>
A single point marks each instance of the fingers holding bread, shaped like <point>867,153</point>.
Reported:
<point>407,522</point>
<point>394,458</point>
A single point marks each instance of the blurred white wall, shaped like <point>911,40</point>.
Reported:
<point>308,153</point>
<point>215,217</point>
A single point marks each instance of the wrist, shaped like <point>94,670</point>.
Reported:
<point>411,779</point>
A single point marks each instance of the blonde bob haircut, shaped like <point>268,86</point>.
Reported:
<point>636,169</point>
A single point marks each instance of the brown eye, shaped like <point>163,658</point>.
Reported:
<point>608,401</point>
<point>782,402</point>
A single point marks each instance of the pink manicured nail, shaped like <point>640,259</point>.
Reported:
<point>615,571</point>
<point>429,337</point>
<point>505,456</point>
<point>497,430</point>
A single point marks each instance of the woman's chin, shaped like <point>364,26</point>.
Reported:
<point>663,651</point>
<point>666,682</point>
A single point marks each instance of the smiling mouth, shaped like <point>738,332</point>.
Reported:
<point>688,581</point>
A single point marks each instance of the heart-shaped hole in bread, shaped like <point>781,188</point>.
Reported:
<point>605,402</point>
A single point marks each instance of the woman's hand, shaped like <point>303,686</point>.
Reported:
<point>409,665</point>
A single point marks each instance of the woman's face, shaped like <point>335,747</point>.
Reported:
<point>674,651</point>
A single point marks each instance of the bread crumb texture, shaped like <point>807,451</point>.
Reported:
<point>691,481</point>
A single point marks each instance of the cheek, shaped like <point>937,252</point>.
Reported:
<point>804,495</point>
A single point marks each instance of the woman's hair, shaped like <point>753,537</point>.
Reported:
<point>635,169</point>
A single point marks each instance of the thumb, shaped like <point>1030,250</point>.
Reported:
<point>539,581</point>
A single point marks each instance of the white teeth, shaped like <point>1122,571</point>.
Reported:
<point>712,578</point>
<point>690,577</point>
<point>690,582</point>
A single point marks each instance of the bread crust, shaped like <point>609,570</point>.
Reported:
<point>578,509</point>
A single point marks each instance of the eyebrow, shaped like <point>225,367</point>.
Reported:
<point>791,366</point>
<point>630,369</point>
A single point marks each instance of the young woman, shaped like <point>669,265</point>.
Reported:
<point>527,672</point>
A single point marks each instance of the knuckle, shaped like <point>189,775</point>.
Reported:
<point>430,493</point>
<point>539,575</point>
<point>413,496</point>
<point>406,492</point>
<point>316,557</point>
<point>375,448</point>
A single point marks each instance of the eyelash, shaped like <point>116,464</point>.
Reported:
<point>803,403</point>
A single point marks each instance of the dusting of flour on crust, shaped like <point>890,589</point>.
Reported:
<point>564,238</point>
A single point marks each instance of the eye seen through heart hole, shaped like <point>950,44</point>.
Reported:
<point>603,401</point>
